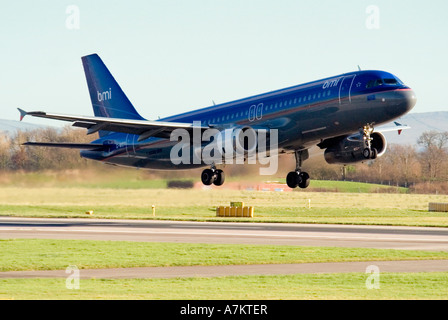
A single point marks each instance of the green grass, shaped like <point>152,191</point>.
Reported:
<point>100,178</point>
<point>18,254</point>
<point>199,205</point>
<point>430,286</point>
<point>354,187</point>
<point>122,178</point>
<point>31,254</point>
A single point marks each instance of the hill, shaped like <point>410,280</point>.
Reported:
<point>10,127</point>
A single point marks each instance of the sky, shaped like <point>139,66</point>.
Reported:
<point>171,56</point>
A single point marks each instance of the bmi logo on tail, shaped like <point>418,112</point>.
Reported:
<point>104,96</point>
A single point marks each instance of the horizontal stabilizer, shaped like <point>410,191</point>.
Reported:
<point>82,146</point>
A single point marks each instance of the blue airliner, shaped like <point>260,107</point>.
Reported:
<point>337,114</point>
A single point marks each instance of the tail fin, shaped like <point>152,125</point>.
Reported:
<point>108,100</point>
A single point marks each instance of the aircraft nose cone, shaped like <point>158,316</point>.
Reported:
<point>398,102</point>
<point>407,100</point>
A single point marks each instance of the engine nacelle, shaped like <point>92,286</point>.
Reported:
<point>350,148</point>
<point>238,140</point>
<point>229,144</point>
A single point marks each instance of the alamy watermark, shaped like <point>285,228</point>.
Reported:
<point>373,280</point>
<point>228,146</point>
<point>373,17</point>
<point>72,281</point>
<point>72,22</point>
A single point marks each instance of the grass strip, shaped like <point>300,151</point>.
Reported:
<point>42,254</point>
<point>430,286</point>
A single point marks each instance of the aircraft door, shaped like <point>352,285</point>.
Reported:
<point>345,89</point>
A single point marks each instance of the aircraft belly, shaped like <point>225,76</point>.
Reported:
<point>157,158</point>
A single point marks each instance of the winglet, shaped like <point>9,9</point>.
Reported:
<point>23,113</point>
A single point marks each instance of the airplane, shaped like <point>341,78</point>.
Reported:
<point>338,114</point>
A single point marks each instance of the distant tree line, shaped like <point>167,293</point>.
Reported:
<point>14,156</point>
<point>423,168</point>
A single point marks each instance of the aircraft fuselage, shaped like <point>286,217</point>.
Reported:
<point>304,115</point>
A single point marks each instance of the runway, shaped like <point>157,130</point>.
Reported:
<point>380,237</point>
<point>356,236</point>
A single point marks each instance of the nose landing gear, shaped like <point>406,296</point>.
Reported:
<point>368,152</point>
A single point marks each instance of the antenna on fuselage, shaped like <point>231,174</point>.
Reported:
<point>359,68</point>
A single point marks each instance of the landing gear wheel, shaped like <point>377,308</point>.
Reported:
<point>370,153</point>
<point>213,176</point>
<point>366,153</point>
<point>295,178</point>
<point>292,179</point>
<point>304,180</point>
<point>208,177</point>
<point>219,177</point>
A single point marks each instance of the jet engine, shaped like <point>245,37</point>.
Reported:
<point>236,140</point>
<point>351,149</point>
<point>228,144</point>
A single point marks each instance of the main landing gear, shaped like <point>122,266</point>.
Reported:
<point>298,177</point>
<point>368,152</point>
<point>213,176</point>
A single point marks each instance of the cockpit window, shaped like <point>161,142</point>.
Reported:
<point>374,83</point>
<point>386,81</point>
<point>390,81</point>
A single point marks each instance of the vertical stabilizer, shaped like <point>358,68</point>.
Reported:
<point>108,100</point>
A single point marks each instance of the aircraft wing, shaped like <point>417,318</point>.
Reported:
<point>398,127</point>
<point>143,128</point>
